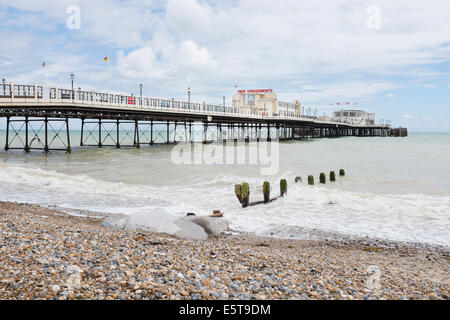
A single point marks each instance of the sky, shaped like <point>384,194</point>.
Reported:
<point>388,57</point>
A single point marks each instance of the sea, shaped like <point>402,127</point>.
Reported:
<point>394,188</point>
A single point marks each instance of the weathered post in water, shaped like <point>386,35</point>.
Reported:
<point>298,179</point>
<point>342,172</point>
<point>283,187</point>
<point>245,189</point>
<point>242,192</point>
<point>237,191</point>
<point>332,176</point>
<point>311,180</point>
<point>322,178</point>
<point>266,191</point>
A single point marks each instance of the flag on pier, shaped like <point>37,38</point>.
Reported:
<point>106,59</point>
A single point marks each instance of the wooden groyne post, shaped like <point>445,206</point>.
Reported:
<point>242,192</point>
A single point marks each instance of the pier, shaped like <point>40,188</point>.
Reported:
<point>37,117</point>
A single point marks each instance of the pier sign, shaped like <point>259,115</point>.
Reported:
<point>256,91</point>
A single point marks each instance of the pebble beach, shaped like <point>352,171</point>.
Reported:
<point>48,254</point>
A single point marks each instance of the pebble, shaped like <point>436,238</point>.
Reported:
<point>66,258</point>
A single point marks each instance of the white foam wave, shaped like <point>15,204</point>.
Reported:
<point>414,217</point>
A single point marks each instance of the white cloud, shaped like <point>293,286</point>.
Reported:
<point>391,95</point>
<point>165,61</point>
<point>304,49</point>
<point>427,85</point>
<point>407,116</point>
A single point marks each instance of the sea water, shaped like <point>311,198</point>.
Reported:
<point>395,188</point>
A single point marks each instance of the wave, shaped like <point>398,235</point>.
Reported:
<point>331,210</point>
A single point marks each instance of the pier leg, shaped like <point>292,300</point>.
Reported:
<point>205,132</point>
<point>7,134</point>
<point>137,142</point>
<point>168,128</point>
<point>46,135</point>
<point>118,134</point>
<point>151,133</point>
<point>27,147</point>
<point>69,148</point>
<point>99,133</point>
<point>175,132</point>
<point>82,132</point>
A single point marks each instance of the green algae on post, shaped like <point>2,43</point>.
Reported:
<point>311,180</point>
<point>283,187</point>
<point>332,176</point>
<point>266,191</point>
<point>322,178</point>
<point>245,191</point>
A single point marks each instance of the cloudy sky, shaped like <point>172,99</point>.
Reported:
<point>389,57</point>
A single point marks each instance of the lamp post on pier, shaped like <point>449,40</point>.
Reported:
<point>189,97</point>
<point>140,88</point>
<point>72,77</point>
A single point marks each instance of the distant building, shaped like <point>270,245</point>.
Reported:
<point>265,101</point>
<point>355,117</point>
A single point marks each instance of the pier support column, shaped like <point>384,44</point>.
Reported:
<point>27,147</point>
<point>190,132</point>
<point>151,133</point>
<point>99,133</point>
<point>205,132</point>
<point>69,148</point>
<point>167,136</point>
<point>82,132</point>
<point>118,134</point>
<point>7,134</point>
<point>137,143</point>
<point>46,135</point>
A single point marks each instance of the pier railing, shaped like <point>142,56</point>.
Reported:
<point>37,94</point>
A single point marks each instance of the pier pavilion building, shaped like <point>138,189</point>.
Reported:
<point>265,101</point>
<point>354,117</point>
